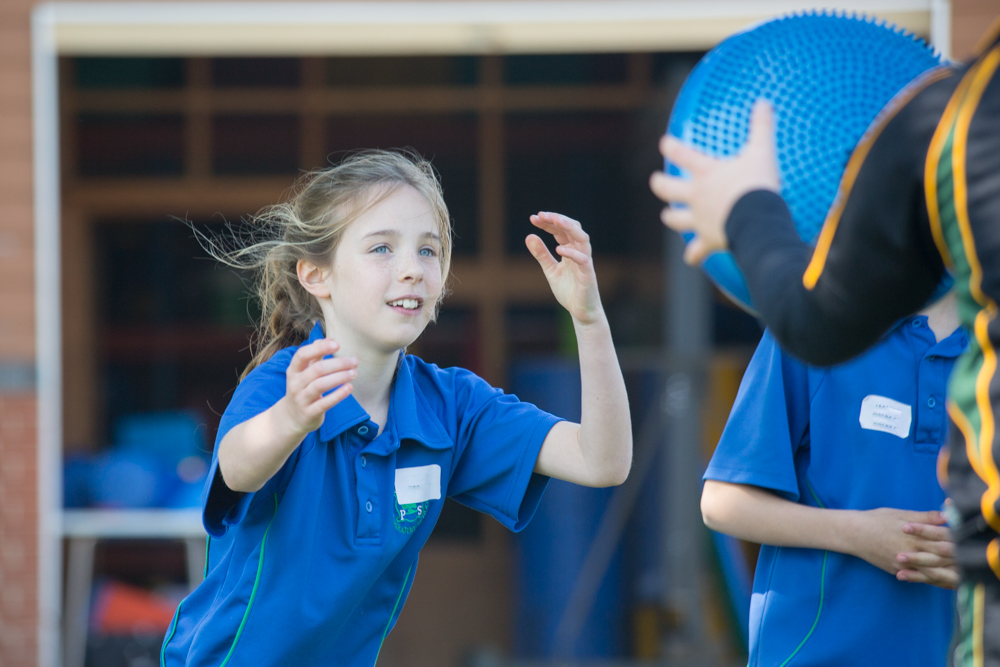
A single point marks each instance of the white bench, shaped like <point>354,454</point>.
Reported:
<point>83,528</point>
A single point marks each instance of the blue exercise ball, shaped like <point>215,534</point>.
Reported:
<point>827,75</point>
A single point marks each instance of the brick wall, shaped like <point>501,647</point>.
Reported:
<point>18,531</point>
<point>970,19</point>
<point>18,475</point>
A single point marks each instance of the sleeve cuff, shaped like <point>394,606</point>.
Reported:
<point>784,487</point>
<point>223,507</point>
<point>744,228</point>
<point>528,487</point>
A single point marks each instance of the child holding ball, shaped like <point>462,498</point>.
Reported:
<point>336,453</point>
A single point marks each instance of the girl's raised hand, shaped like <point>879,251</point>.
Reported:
<point>572,278</point>
<point>309,377</point>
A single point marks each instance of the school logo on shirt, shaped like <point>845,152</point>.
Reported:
<point>407,517</point>
<point>414,487</point>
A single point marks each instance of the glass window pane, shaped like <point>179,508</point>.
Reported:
<point>674,66</point>
<point>129,72</point>
<point>565,69</point>
<point>534,330</point>
<point>256,72</point>
<point>255,144</point>
<point>130,144</point>
<point>173,325</point>
<point>577,164</point>
<point>403,71</point>
<point>448,141</point>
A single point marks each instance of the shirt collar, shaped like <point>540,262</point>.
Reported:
<point>409,416</point>
<point>952,346</point>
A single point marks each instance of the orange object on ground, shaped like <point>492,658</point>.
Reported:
<point>123,609</point>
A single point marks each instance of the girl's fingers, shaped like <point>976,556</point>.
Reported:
<point>325,367</point>
<point>568,225</point>
<point>571,253</point>
<point>943,577</point>
<point>923,559</point>
<point>315,389</point>
<point>558,233</point>
<point>333,398</point>
<point>541,253</point>
<point>943,548</point>
<point>306,354</point>
<point>677,219</point>
<point>671,189</point>
<point>936,533</point>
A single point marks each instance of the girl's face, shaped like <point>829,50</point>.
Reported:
<point>386,277</point>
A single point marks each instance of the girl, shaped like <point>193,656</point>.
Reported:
<point>337,450</point>
<point>833,472</point>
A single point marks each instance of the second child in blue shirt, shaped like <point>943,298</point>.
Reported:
<point>832,470</point>
<point>336,453</point>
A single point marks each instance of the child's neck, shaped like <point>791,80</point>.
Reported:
<point>373,384</point>
<point>942,316</point>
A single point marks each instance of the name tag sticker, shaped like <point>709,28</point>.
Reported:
<point>879,413</point>
<point>415,485</point>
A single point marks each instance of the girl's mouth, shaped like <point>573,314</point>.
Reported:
<point>407,304</point>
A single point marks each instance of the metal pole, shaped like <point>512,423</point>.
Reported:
<point>688,338</point>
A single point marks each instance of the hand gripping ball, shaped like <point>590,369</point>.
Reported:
<point>827,75</point>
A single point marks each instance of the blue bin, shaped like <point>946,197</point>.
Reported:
<point>549,553</point>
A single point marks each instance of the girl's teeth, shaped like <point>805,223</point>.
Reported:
<point>409,304</point>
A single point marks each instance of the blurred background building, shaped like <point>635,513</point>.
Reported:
<point>121,342</point>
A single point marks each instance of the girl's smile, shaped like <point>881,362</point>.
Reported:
<point>407,305</point>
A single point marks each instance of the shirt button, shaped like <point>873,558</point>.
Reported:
<point>931,402</point>
<point>915,323</point>
<point>362,430</point>
<point>368,506</point>
<point>364,461</point>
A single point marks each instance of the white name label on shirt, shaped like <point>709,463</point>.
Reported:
<point>879,413</point>
<point>415,485</point>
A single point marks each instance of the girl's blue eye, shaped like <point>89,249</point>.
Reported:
<point>381,249</point>
<point>428,252</point>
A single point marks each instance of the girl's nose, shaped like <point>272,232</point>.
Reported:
<point>410,269</point>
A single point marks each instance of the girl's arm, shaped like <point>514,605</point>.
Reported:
<point>598,450</point>
<point>913,546</point>
<point>253,451</point>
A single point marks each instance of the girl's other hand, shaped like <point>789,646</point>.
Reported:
<point>308,379</point>
<point>882,536</point>
<point>934,562</point>
<point>572,279</point>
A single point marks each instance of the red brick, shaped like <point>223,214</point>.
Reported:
<point>15,85</point>
<point>18,525</point>
<point>15,175</point>
<point>15,133</point>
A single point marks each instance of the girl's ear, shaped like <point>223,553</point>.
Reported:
<point>313,278</point>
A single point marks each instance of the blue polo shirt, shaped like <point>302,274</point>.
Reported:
<point>861,435</point>
<point>314,568</point>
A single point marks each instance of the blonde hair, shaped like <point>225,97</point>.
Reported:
<point>309,225</point>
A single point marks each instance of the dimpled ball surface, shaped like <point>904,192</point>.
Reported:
<point>827,75</point>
